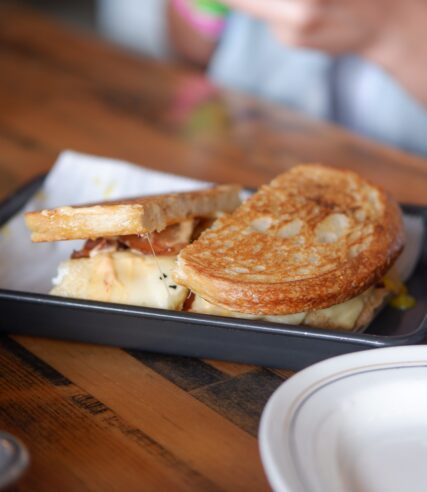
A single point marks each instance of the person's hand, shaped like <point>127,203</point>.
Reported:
<point>390,33</point>
<point>338,26</point>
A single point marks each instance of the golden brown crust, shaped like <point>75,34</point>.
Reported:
<point>133,216</point>
<point>315,237</point>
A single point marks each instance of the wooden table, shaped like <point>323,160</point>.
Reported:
<point>99,418</point>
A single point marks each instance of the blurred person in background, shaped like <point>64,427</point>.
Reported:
<point>359,63</point>
<point>141,25</point>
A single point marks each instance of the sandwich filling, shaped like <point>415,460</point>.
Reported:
<point>123,277</point>
<point>129,269</point>
<point>350,315</point>
<point>139,270</point>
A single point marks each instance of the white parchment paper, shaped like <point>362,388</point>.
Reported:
<point>74,179</point>
<point>79,178</point>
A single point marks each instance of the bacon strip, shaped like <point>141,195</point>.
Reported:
<point>98,244</point>
<point>168,242</point>
<point>188,301</point>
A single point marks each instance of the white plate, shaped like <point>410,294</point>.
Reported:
<point>354,423</point>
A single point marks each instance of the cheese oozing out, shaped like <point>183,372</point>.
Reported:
<point>127,277</point>
<point>121,277</point>
<point>343,316</point>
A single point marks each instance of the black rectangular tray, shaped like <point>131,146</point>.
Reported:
<point>181,333</point>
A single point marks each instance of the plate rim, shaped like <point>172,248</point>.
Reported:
<point>279,408</point>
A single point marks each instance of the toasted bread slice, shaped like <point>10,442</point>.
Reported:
<point>314,237</point>
<point>133,216</point>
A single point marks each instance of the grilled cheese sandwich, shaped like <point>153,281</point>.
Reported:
<point>309,249</point>
<point>316,240</point>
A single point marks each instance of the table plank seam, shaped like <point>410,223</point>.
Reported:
<point>33,362</point>
<point>230,397</point>
<point>68,391</point>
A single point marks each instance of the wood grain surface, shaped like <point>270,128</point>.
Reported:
<point>98,418</point>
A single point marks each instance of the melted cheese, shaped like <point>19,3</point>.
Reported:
<point>403,302</point>
<point>121,277</point>
<point>202,306</point>
<point>142,280</point>
<point>343,316</point>
<point>402,299</point>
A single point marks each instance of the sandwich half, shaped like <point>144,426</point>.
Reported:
<point>312,247</point>
<point>131,245</point>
